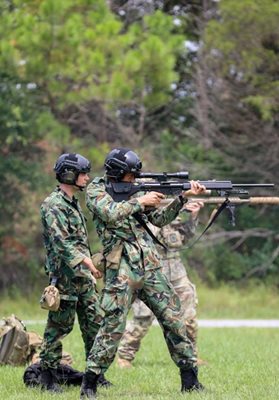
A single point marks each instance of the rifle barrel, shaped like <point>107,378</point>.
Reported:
<point>210,185</point>
<point>253,185</point>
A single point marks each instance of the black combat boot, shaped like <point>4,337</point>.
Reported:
<point>189,380</point>
<point>49,382</point>
<point>103,382</point>
<point>88,388</point>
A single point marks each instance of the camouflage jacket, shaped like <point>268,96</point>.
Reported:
<point>65,235</point>
<point>115,222</point>
<point>174,236</point>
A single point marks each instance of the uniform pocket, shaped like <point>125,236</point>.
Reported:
<point>115,297</point>
<point>99,261</point>
<point>113,258</point>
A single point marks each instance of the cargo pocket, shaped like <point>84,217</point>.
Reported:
<point>99,261</point>
<point>115,299</point>
<point>113,258</point>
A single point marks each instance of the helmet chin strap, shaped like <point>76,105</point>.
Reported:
<point>81,188</point>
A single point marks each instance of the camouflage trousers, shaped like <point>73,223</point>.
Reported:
<point>155,291</point>
<point>78,296</point>
<point>143,318</point>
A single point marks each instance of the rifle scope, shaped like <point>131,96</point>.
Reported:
<point>164,176</point>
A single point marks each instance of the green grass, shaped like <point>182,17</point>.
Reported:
<point>222,302</point>
<point>24,308</point>
<point>257,301</point>
<point>243,364</point>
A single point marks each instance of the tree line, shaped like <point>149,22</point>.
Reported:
<point>188,85</point>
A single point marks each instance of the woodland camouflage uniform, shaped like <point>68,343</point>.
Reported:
<point>66,243</point>
<point>173,236</point>
<point>137,273</point>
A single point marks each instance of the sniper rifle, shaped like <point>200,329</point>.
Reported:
<point>165,183</point>
<point>173,184</point>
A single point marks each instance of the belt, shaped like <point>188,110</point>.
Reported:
<point>68,297</point>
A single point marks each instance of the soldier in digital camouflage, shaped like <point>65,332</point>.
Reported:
<point>174,236</point>
<point>133,270</point>
<point>68,265</point>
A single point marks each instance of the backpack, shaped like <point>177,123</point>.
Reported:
<point>18,347</point>
<point>14,341</point>
<point>65,375</point>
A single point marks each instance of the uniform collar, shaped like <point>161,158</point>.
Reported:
<point>73,200</point>
<point>99,179</point>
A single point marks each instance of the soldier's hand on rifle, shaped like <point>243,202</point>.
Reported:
<point>89,264</point>
<point>151,199</point>
<point>194,208</point>
<point>196,189</point>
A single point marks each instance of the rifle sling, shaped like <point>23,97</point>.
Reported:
<point>53,280</point>
<point>141,221</point>
<point>212,219</point>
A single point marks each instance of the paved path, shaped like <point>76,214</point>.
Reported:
<point>214,323</point>
<point>239,323</point>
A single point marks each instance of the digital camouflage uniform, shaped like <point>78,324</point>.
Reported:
<point>173,236</point>
<point>137,273</point>
<point>66,243</point>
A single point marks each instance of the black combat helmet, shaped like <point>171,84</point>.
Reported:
<point>121,161</point>
<point>69,166</point>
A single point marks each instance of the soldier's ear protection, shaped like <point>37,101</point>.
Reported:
<point>68,176</point>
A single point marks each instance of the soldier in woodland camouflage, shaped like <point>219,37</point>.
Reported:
<point>68,261</point>
<point>134,271</point>
<point>173,236</point>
